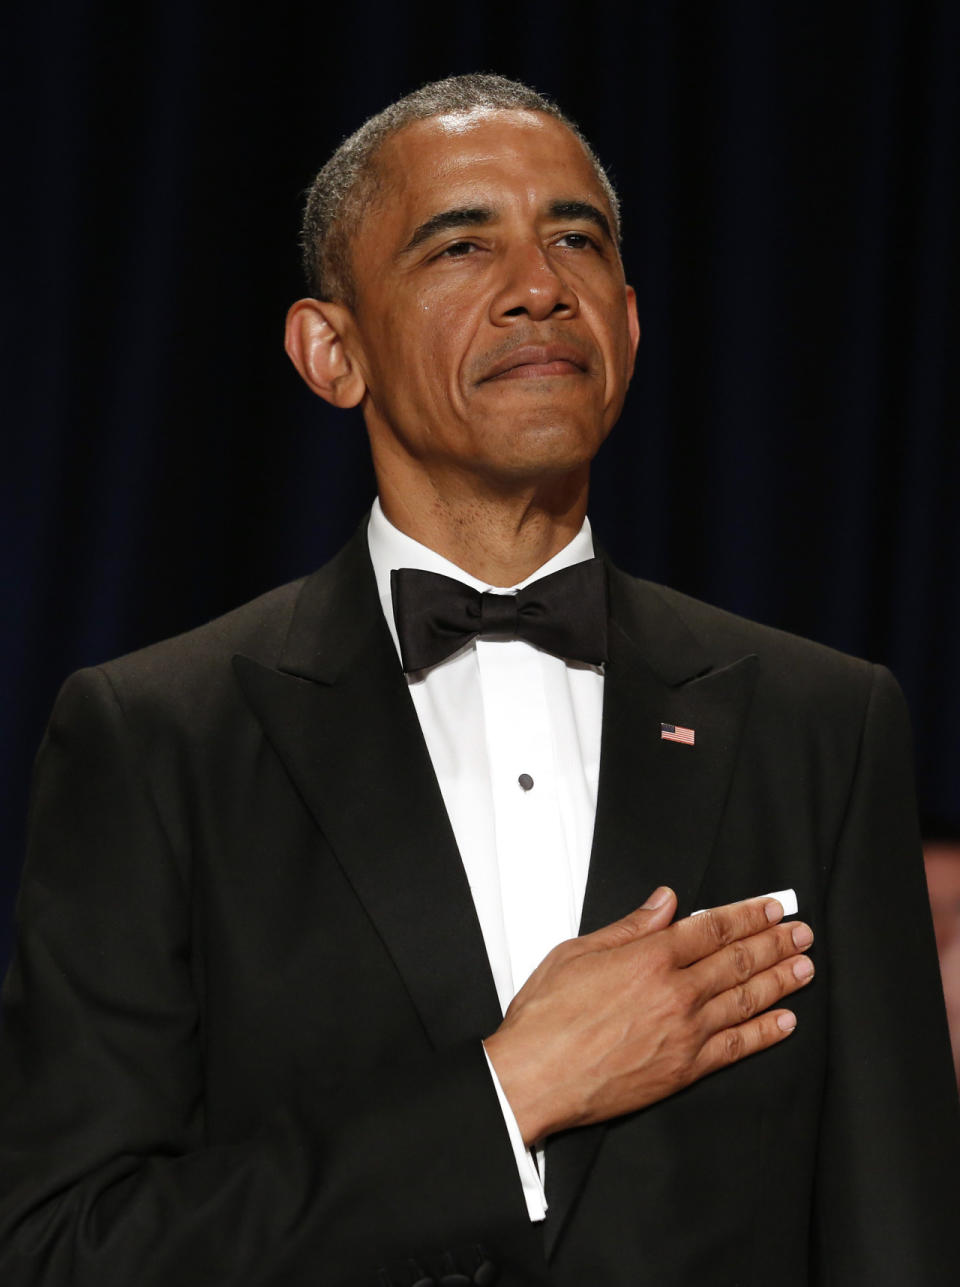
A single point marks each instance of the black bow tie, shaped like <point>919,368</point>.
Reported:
<point>564,613</point>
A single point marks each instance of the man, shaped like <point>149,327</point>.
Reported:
<point>282,888</point>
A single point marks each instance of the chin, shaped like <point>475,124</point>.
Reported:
<point>548,456</point>
<point>552,446</point>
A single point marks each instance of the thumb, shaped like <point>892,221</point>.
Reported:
<point>655,914</point>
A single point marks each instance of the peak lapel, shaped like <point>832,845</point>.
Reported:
<point>659,802</point>
<point>339,716</point>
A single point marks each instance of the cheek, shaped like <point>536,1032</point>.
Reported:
<point>423,340</point>
<point>418,365</point>
<point>444,331</point>
<point>615,338</point>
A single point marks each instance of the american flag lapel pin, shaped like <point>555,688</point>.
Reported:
<point>674,733</point>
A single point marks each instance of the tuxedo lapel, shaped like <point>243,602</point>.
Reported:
<point>659,802</point>
<point>339,716</point>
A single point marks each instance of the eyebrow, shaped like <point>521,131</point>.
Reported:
<point>582,210</point>
<point>461,217</point>
<point>474,216</point>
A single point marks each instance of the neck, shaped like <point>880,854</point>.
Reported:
<point>498,535</point>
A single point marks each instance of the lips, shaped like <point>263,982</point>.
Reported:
<point>538,361</point>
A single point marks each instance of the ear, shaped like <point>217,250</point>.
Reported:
<point>633,323</point>
<point>314,340</point>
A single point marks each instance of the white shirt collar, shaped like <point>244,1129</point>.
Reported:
<point>390,548</point>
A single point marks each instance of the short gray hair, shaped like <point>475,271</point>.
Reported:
<point>344,188</point>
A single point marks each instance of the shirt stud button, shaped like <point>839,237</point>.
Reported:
<point>526,781</point>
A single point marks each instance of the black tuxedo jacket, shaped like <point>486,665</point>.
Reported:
<point>243,1023</point>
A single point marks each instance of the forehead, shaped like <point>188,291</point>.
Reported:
<point>493,154</point>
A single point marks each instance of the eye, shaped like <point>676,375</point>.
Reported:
<point>457,250</point>
<point>577,241</point>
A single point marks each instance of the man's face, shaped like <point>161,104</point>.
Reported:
<point>493,327</point>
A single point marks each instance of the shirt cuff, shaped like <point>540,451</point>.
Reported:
<point>533,1193</point>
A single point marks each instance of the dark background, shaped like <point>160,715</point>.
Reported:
<point>790,448</point>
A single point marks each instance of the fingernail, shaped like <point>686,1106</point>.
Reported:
<point>774,910</point>
<point>787,1021</point>
<point>657,898</point>
<point>803,969</point>
<point>802,936</point>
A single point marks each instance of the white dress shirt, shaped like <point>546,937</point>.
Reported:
<point>492,711</point>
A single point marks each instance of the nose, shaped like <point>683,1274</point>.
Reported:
<point>532,287</point>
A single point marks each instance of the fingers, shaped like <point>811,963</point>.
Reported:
<point>751,974</point>
<point>700,936</point>
<point>739,981</point>
<point>742,1002</point>
<point>656,913</point>
<point>730,1045</point>
<point>735,964</point>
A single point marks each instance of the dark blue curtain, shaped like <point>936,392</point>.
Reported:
<point>790,446</point>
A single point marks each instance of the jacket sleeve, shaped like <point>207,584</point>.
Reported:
<point>106,1177</point>
<point>888,1182</point>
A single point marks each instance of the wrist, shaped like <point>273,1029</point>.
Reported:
<point>531,1098</point>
